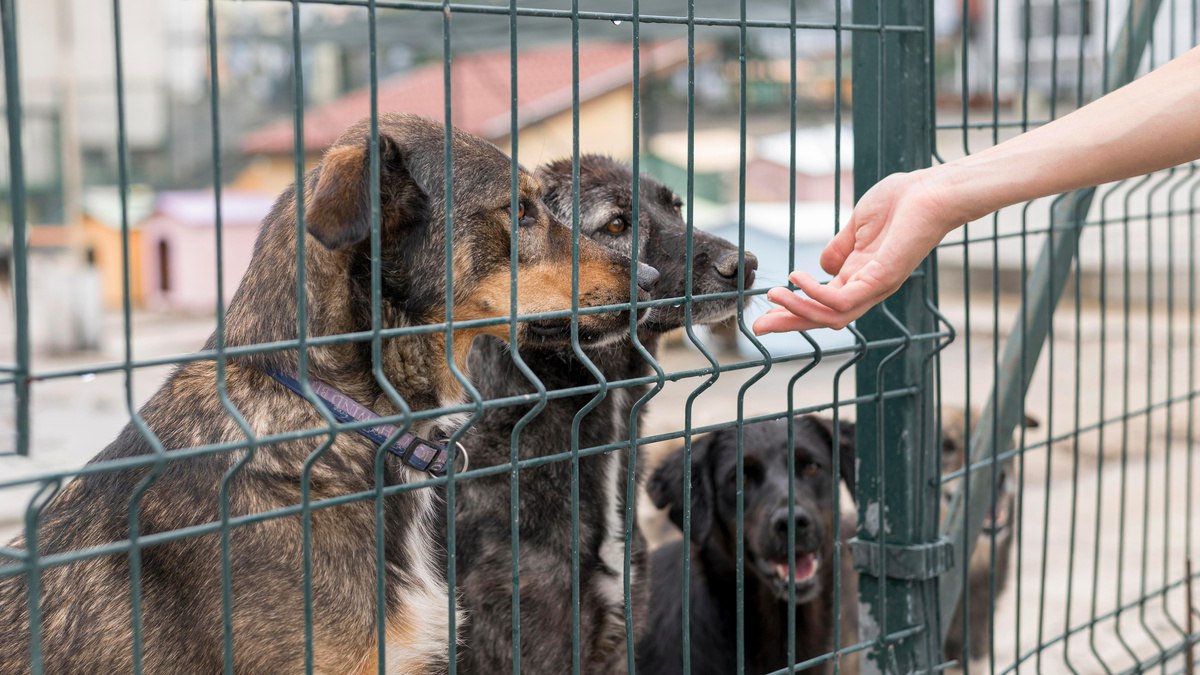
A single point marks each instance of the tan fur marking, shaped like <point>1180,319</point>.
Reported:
<point>411,645</point>
<point>542,288</point>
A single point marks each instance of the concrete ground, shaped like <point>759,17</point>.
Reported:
<point>1106,516</point>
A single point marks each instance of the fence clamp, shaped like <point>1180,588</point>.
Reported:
<point>914,562</point>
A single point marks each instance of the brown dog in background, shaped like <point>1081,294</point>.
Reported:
<point>87,623</point>
<point>998,523</point>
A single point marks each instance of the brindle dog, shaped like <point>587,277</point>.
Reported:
<point>484,531</point>
<point>86,605</point>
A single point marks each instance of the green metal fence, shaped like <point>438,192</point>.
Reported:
<point>1129,306</point>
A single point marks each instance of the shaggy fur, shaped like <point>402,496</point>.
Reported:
<point>86,605</point>
<point>484,532</point>
<point>713,594</point>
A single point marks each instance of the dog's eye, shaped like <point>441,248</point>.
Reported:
<point>616,225</point>
<point>678,206</point>
<point>810,469</point>
<point>753,471</point>
<point>526,215</point>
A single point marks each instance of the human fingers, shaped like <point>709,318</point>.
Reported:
<point>781,322</point>
<point>808,309</point>
<point>853,297</point>
<point>797,276</point>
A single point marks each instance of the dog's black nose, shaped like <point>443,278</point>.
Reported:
<point>779,521</point>
<point>727,266</point>
<point>647,276</point>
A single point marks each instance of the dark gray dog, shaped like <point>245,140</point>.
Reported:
<point>484,532</point>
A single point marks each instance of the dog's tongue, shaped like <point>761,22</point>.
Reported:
<point>806,567</point>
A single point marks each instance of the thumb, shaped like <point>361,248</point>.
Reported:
<point>838,249</point>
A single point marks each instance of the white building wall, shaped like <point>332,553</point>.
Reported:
<point>1175,32</point>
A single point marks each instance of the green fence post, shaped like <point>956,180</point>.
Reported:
<point>20,245</point>
<point>897,550</point>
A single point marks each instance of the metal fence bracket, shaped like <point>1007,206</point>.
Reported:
<point>913,562</point>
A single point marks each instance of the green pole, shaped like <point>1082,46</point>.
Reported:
<point>897,550</point>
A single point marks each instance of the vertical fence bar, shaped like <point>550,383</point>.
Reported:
<point>214,101</point>
<point>514,475</point>
<point>378,373</point>
<point>898,140</point>
<point>635,410</point>
<point>740,529</point>
<point>689,328</point>
<point>576,347</point>
<point>135,499</point>
<point>19,270</point>
<point>471,392</point>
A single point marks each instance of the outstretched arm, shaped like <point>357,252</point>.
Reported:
<point>1150,124</point>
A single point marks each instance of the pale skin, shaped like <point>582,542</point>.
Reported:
<point>1150,124</point>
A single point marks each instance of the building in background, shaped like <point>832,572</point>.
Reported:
<point>1066,41</point>
<point>481,101</point>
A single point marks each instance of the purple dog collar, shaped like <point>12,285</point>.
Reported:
<point>413,450</point>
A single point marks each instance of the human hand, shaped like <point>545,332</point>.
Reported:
<point>893,227</point>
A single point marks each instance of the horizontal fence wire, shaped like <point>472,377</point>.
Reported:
<point>1101,493</point>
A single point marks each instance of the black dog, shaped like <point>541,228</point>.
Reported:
<point>483,505</point>
<point>713,599</point>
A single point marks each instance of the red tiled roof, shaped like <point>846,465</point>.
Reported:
<point>481,91</point>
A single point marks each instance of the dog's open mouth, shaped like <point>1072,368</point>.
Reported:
<point>806,568</point>
<point>999,519</point>
<point>778,575</point>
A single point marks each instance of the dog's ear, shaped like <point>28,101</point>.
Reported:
<point>844,437</point>
<point>339,211</point>
<point>555,178</point>
<point>666,486</point>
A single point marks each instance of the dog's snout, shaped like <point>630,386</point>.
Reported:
<point>750,266</point>
<point>779,521</point>
<point>727,266</point>
<point>647,277</point>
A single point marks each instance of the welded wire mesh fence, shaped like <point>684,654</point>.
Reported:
<point>1100,501</point>
<point>974,540</point>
